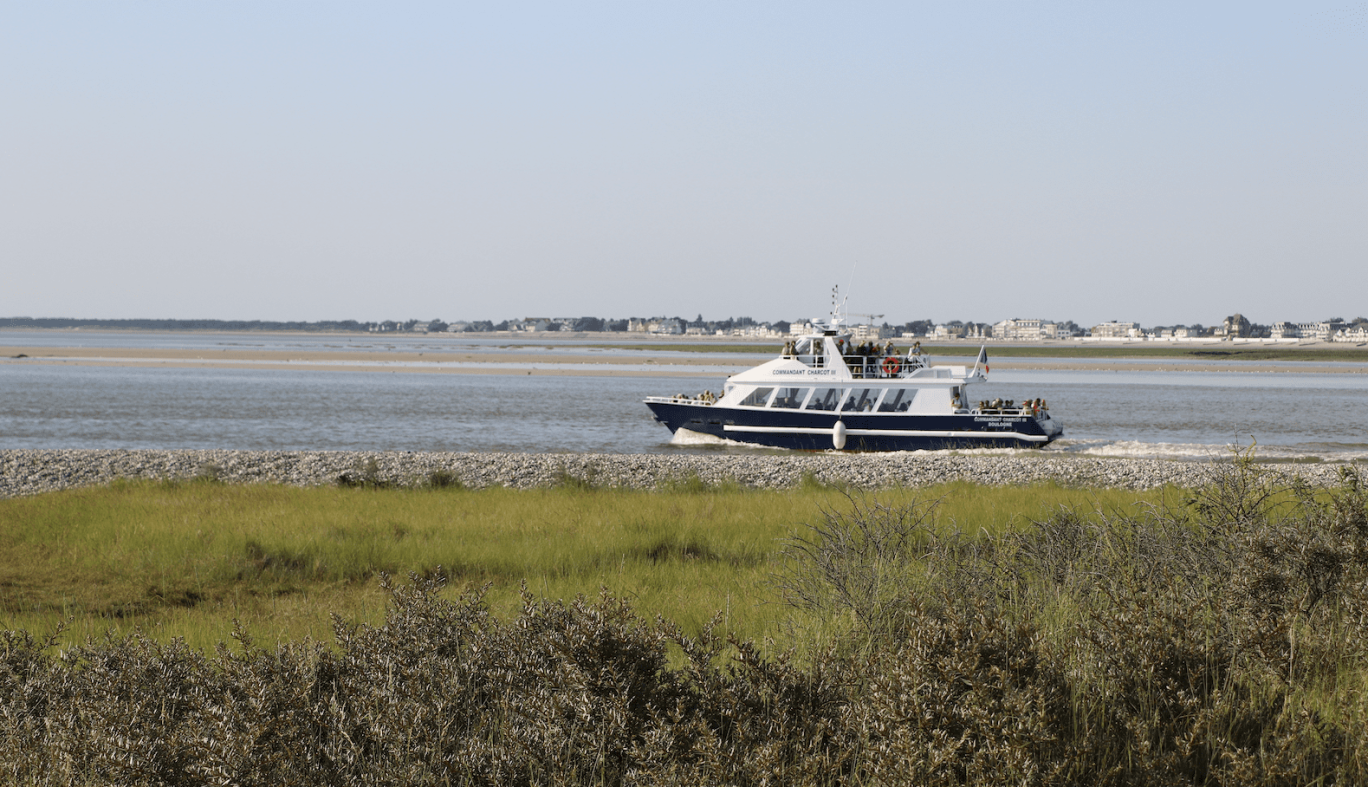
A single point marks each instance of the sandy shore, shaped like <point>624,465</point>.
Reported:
<point>548,363</point>
<point>570,362</point>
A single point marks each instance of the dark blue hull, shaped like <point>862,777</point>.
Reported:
<point>815,431</point>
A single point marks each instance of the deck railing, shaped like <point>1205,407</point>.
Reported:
<point>868,367</point>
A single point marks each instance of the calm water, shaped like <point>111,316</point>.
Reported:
<point>1140,412</point>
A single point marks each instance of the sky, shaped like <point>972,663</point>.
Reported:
<point>1159,162</point>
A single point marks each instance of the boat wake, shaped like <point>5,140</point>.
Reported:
<point>1111,449</point>
<point>1206,452</point>
<point>685,438</point>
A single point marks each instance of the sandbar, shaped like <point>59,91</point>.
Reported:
<point>567,363</point>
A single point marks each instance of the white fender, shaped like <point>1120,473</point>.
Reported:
<point>838,435</point>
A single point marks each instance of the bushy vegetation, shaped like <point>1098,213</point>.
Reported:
<point>1217,642</point>
<point>1218,639</point>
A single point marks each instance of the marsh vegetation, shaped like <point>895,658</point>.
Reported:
<point>958,635</point>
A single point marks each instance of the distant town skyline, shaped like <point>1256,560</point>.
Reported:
<point>1158,162</point>
<point>1236,324</point>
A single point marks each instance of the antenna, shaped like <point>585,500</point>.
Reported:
<point>851,288</point>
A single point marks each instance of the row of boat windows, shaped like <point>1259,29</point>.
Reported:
<point>845,399</point>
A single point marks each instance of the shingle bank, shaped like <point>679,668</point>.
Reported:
<point>29,472</point>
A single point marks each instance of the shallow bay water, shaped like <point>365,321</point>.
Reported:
<point>1136,411</point>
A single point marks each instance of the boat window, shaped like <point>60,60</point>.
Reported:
<point>861,400</point>
<point>824,399</point>
<point>897,400</point>
<point>757,398</point>
<point>790,398</point>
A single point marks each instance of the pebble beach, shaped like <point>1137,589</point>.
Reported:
<point>33,472</point>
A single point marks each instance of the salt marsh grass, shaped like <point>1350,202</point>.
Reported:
<point>958,635</point>
<point>186,559</point>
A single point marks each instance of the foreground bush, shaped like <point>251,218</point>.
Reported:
<point>441,693</point>
<point>1222,643</point>
<point>1225,642</point>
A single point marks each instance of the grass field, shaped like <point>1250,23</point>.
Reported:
<point>186,559</point>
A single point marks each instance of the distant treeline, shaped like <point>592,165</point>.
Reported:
<point>183,325</point>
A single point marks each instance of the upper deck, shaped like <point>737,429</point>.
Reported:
<point>835,357</point>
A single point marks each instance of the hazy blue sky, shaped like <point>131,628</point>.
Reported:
<point>1158,162</point>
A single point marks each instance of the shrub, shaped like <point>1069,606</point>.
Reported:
<point>1218,642</point>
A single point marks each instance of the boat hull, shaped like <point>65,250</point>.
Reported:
<point>818,431</point>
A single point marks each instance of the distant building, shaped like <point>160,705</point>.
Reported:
<point>1066,330</point>
<point>1284,330</point>
<point>760,331</point>
<point>947,332</point>
<point>1117,330</point>
<point>1234,327</point>
<point>660,325</point>
<point>868,333</point>
<point>1025,330</point>
<point>1319,330</point>
<point>530,325</point>
<point>1355,333</point>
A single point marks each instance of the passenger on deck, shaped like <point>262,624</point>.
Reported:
<point>914,355</point>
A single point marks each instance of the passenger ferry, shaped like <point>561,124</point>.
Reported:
<point>825,392</point>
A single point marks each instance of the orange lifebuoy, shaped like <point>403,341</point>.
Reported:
<point>892,365</point>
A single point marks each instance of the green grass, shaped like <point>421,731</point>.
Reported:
<point>1027,635</point>
<point>186,559</point>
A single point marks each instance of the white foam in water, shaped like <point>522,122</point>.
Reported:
<point>982,451</point>
<point>1202,452</point>
<point>1121,449</point>
<point>1137,449</point>
<point>691,439</point>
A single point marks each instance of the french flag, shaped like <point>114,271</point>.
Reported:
<point>982,359</point>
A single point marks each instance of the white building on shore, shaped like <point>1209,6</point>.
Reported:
<point>1357,333</point>
<point>662,325</point>
<point>1117,330</point>
<point>1025,330</point>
